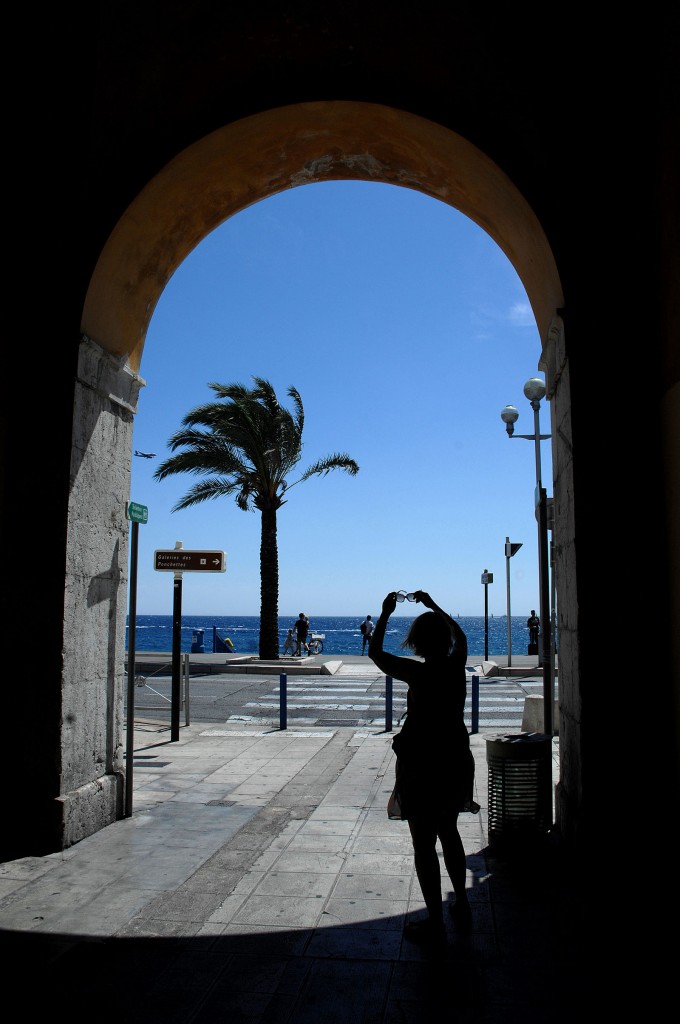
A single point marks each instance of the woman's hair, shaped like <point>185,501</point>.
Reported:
<point>429,635</point>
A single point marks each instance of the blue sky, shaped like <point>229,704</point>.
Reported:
<point>406,330</point>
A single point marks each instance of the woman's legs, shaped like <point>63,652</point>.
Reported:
<point>424,837</point>
<point>454,855</point>
<point>424,834</point>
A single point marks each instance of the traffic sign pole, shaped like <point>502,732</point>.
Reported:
<point>178,560</point>
<point>132,648</point>
<point>176,657</point>
<point>487,578</point>
<point>510,550</point>
<point>136,514</point>
<point>486,622</point>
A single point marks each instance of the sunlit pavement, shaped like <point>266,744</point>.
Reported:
<point>259,878</point>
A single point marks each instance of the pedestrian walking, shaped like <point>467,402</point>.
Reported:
<point>434,773</point>
<point>289,645</point>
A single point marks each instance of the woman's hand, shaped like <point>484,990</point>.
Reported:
<point>390,603</point>
<point>422,597</point>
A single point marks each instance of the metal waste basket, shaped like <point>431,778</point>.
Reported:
<point>520,785</point>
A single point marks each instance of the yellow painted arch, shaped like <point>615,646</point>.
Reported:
<point>259,156</point>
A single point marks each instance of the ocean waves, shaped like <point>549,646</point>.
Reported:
<point>341,633</point>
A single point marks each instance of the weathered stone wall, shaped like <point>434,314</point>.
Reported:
<point>93,678</point>
<point>555,364</point>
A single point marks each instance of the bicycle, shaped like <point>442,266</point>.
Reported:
<point>316,643</point>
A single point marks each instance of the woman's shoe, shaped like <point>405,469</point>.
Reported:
<point>461,915</point>
<point>425,933</point>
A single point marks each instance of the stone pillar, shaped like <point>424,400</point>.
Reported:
<point>95,600</point>
<point>568,794</point>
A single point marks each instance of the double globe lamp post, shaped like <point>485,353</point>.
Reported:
<point>534,391</point>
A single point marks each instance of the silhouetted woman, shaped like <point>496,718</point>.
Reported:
<point>435,767</point>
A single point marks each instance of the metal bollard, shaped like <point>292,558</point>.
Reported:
<point>283,701</point>
<point>475,704</point>
<point>186,673</point>
<point>388,703</point>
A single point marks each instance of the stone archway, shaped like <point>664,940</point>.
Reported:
<point>203,186</point>
<point>259,156</point>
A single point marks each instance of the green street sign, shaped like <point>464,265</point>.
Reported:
<point>137,513</point>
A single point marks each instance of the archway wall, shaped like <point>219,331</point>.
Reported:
<point>198,190</point>
<point>569,790</point>
<point>95,600</point>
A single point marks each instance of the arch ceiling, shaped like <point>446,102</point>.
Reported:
<point>254,158</point>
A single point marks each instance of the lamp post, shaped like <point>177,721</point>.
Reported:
<point>534,391</point>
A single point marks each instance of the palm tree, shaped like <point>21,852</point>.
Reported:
<point>246,444</point>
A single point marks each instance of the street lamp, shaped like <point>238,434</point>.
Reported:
<point>534,391</point>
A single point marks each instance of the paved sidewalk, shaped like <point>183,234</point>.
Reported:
<point>259,879</point>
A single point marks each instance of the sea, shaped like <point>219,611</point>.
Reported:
<point>341,633</point>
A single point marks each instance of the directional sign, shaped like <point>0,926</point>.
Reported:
<point>137,513</point>
<point>180,560</point>
<point>511,549</point>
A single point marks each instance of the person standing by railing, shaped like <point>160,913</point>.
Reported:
<point>366,629</point>
<point>534,627</point>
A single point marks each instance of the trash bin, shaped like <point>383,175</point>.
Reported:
<point>520,785</point>
<point>197,645</point>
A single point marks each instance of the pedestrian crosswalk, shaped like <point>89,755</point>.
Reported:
<point>355,695</point>
<point>359,695</point>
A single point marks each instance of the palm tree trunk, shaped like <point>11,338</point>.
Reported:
<point>269,587</point>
